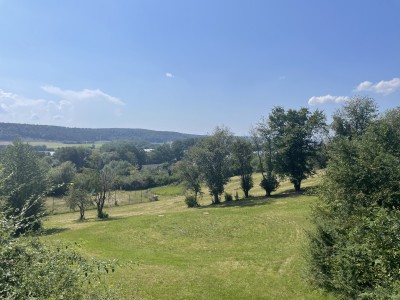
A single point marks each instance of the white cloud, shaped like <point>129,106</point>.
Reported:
<point>85,94</point>
<point>382,87</point>
<point>67,108</point>
<point>169,75</point>
<point>327,99</point>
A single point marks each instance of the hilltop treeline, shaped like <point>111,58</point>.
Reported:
<point>14,131</point>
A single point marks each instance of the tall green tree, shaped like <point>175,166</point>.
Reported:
<point>294,137</point>
<point>24,183</point>
<point>242,154</point>
<point>212,156</point>
<point>354,249</point>
<point>189,173</point>
<point>354,117</point>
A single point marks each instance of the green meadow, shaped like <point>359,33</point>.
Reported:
<point>56,145</point>
<point>246,249</point>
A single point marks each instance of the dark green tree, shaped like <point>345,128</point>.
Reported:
<point>354,249</point>
<point>294,138</point>
<point>77,155</point>
<point>60,177</point>
<point>242,154</point>
<point>126,150</point>
<point>354,117</point>
<point>23,183</point>
<point>212,156</point>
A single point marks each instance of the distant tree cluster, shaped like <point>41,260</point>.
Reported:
<point>13,131</point>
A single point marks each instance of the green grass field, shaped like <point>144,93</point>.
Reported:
<point>245,249</point>
<point>55,145</point>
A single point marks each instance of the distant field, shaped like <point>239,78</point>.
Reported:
<point>246,249</point>
<point>56,145</point>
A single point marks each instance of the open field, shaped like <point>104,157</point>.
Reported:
<point>55,145</point>
<point>245,249</point>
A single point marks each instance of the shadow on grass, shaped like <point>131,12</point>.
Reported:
<point>50,231</point>
<point>257,200</point>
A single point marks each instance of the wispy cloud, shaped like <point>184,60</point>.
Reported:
<point>327,99</point>
<point>381,87</point>
<point>67,107</point>
<point>85,94</point>
<point>169,75</point>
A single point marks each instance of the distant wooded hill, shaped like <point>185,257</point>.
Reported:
<point>13,131</point>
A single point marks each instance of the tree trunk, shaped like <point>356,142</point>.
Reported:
<point>216,199</point>
<point>297,186</point>
<point>246,193</point>
<point>267,193</point>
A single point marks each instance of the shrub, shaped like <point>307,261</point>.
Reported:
<point>228,197</point>
<point>354,250</point>
<point>30,269</point>
<point>191,201</point>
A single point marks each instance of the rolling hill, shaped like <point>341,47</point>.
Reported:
<point>29,132</point>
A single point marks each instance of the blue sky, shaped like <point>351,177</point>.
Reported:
<point>190,66</point>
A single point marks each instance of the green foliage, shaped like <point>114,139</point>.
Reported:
<point>191,201</point>
<point>189,172</point>
<point>269,183</point>
<point>228,197</point>
<point>355,247</point>
<point>125,151</point>
<point>354,117</point>
<point>60,177</point>
<point>77,155</point>
<point>30,269</point>
<point>23,183</point>
<point>242,152</point>
<point>293,135</point>
<point>211,156</point>
<point>78,196</point>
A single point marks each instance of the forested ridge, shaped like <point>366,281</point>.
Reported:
<point>13,131</point>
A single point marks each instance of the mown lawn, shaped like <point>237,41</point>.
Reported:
<point>246,249</point>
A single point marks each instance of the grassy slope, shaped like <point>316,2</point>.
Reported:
<point>248,249</point>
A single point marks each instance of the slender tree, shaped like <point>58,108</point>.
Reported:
<point>189,173</point>
<point>242,153</point>
<point>262,141</point>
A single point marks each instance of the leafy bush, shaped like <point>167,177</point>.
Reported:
<point>228,197</point>
<point>191,201</point>
<point>354,250</point>
<point>269,183</point>
<point>30,269</point>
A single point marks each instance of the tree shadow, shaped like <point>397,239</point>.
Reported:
<point>50,231</point>
<point>257,200</point>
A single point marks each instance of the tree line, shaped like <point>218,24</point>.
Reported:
<point>13,131</point>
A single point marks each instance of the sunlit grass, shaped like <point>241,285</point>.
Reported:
<point>247,249</point>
